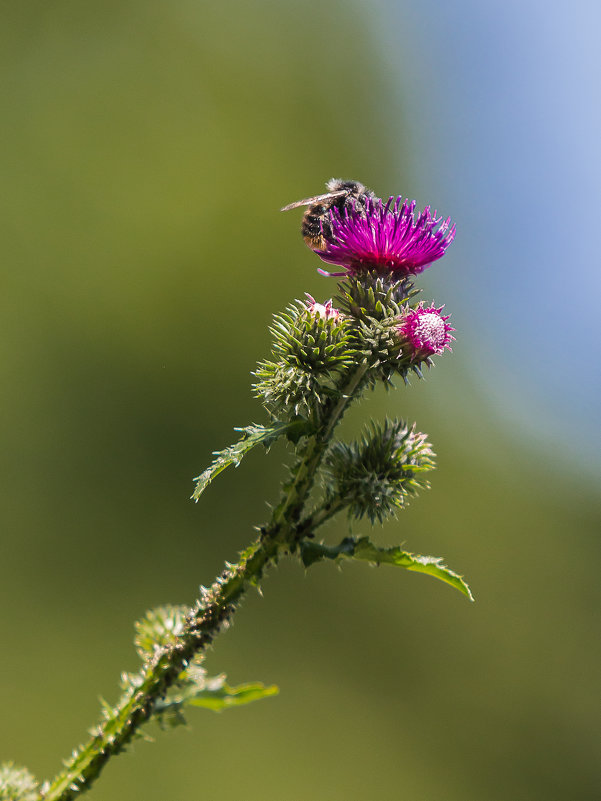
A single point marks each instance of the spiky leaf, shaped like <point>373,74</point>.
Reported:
<point>365,550</point>
<point>252,435</point>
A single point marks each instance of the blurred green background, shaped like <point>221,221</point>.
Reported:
<point>146,150</point>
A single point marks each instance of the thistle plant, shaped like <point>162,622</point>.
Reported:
<point>325,357</point>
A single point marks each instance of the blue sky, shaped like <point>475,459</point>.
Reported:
<point>503,98</point>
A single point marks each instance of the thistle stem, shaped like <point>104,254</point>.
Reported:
<point>288,512</point>
<point>348,393</point>
<point>318,517</point>
<point>206,618</point>
<point>136,707</point>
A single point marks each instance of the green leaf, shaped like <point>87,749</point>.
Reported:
<point>225,696</point>
<point>252,435</point>
<point>364,549</point>
<point>196,689</point>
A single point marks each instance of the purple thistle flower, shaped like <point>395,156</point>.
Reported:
<point>424,332</point>
<point>385,238</point>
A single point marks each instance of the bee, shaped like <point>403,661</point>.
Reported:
<point>316,227</point>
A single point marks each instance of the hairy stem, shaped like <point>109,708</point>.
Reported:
<point>288,512</point>
<point>137,706</point>
<point>208,616</point>
<point>318,517</point>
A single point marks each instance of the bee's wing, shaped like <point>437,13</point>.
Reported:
<point>309,201</point>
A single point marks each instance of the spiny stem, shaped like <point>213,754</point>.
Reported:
<point>206,618</point>
<point>318,517</point>
<point>287,513</point>
<point>161,672</point>
<point>348,393</point>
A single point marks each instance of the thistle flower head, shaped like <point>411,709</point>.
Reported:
<point>424,332</point>
<point>385,237</point>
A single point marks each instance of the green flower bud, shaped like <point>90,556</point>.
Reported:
<point>380,473</point>
<point>314,345</point>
